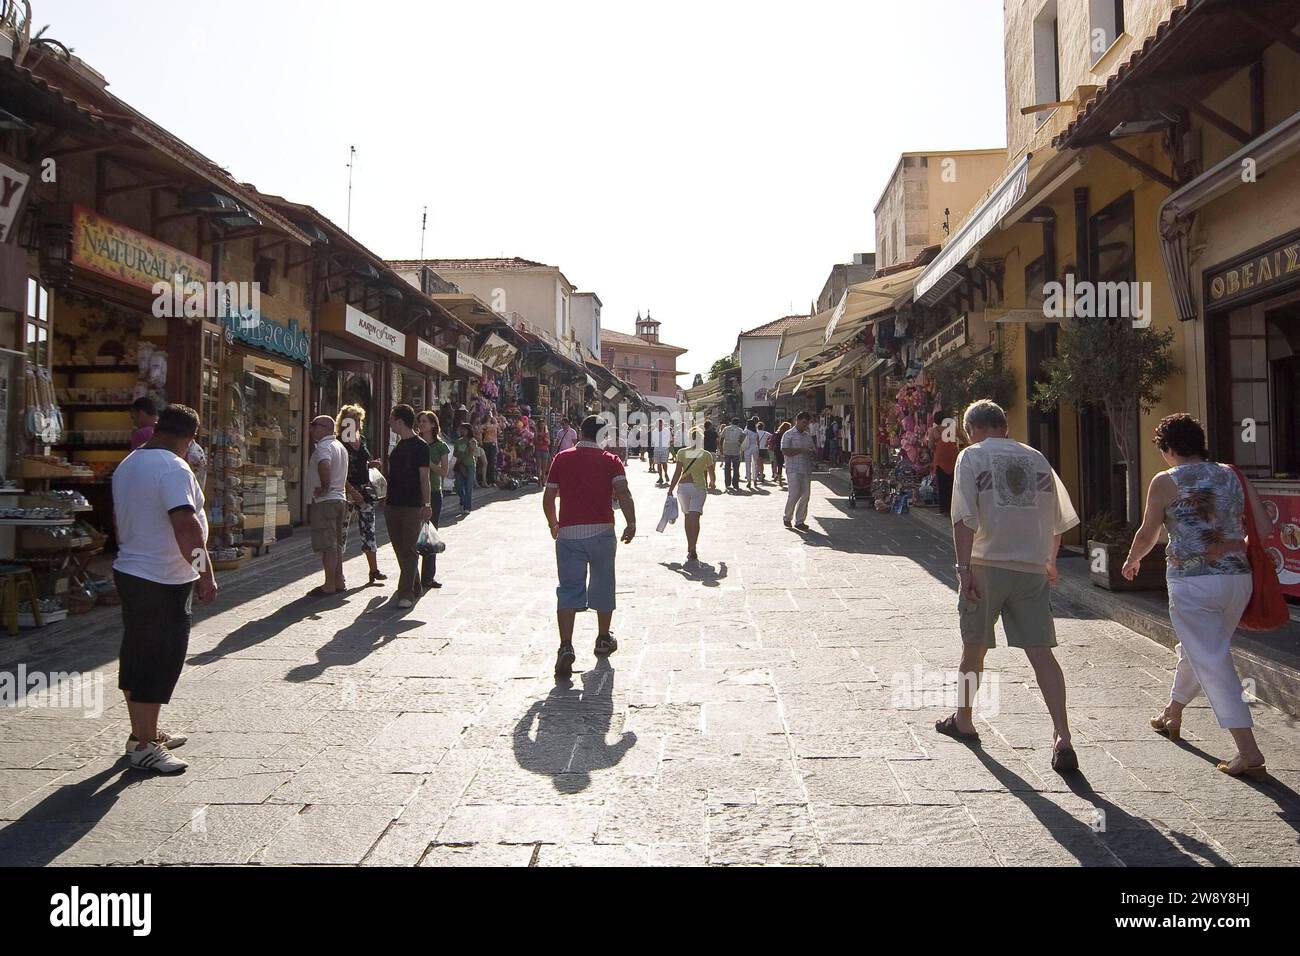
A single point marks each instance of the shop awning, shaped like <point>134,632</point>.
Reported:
<point>1177,211</point>
<point>704,394</point>
<point>940,276</point>
<point>833,368</point>
<point>866,300</point>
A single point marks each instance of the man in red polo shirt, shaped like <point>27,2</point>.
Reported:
<point>586,479</point>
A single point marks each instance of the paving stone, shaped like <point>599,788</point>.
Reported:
<point>328,835</point>
<point>230,835</point>
<point>784,717</point>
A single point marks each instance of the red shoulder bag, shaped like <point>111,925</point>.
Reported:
<point>1267,608</point>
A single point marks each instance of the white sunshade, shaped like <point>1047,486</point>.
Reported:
<point>868,299</point>
<point>979,224</point>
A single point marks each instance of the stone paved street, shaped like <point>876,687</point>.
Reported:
<point>774,706</point>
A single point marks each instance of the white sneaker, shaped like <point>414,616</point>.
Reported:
<point>405,604</point>
<point>158,759</point>
<point>164,739</point>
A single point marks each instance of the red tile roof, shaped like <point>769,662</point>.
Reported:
<point>490,264</point>
<point>609,336</point>
<point>777,327</point>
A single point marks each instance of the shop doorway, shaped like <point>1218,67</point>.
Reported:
<point>352,380</point>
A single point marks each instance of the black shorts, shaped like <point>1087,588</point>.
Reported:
<point>155,636</point>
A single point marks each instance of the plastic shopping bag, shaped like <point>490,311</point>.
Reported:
<point>429,542</point>
<point>379,483</point>
<point>449,483</point>
<point>670,513</point>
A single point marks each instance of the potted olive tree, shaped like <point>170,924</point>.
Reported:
<point>1108,540</point>
<point>1117,368</point>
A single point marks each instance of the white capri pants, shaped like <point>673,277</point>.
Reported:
<point>1205,610</point>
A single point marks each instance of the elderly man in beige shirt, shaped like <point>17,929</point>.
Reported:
<point>1009,510</point>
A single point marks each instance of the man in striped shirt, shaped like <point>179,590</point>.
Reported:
<point>586,479</point>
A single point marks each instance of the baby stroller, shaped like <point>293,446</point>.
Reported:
<point>860,472</point>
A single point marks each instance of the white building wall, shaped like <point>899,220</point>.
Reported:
<point>758,368</point>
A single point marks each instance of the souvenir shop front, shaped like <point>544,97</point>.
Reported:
<point>94,345</point>
<point>356,366</point>
<point>467,372</point>
<point>418,381</point>
<point>254,412</point>
<point>502,390</point>
<point>1252,330</point>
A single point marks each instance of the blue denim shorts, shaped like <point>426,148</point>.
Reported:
<point>586,572</point>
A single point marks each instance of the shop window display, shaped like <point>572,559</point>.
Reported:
<point>256,464</point>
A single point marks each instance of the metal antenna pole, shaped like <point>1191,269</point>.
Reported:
<point>424,222</point>
<point>352,154</point>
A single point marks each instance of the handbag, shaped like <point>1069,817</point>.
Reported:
<point>1267,608</point>
<point>448,482</point>
<point>429,542</point>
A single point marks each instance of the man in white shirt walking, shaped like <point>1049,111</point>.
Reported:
<point>327,475</point>
<point>1009,510</point>
<point>733,443</point>
<point>162,534</point>
<point>800,448</point>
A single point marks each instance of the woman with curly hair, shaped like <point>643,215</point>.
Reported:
<point>350,429</point>
<point>1202,504</point>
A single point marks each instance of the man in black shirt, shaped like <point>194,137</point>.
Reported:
<point>409,499</point>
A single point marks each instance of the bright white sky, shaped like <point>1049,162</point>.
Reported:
<point>709,161</point>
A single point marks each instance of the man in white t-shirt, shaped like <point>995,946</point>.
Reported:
<point>162,556</point>
<point>327,475</point>
<point>1009,510</point>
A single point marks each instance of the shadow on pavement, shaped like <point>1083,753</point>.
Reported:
<point>563,736</point>
<point>698,571</point>
<point>1132,840</point>
<point>373,628</point>
<point>252,633</point>
<point>1288,801</point>
<point>860,531</point>
<point>66,816</point>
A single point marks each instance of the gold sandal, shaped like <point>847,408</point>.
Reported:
<point>1171,726</point>
<point>1257,772</point>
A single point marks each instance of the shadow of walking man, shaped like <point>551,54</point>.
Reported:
<point>1113,835</point>
<point>565,735</point>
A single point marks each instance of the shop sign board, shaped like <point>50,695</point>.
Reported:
<point>467,363</point>
<point>1266,269</point>
<point>428,354</point>
<point>948,340</point>
<point>840,392</point>
<point>111,249</point>
<point>373,331</point>
<point>1282,542</point>
<point>496,353</point>
<point>15,188</point>
<point>279,338</point>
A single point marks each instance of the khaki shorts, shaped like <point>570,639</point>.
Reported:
<point>329,525</point>
<point>1022,600</point>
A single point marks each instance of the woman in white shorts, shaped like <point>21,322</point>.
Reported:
<point>691,482</point>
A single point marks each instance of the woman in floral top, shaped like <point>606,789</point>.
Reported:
<point>1202,505</point>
